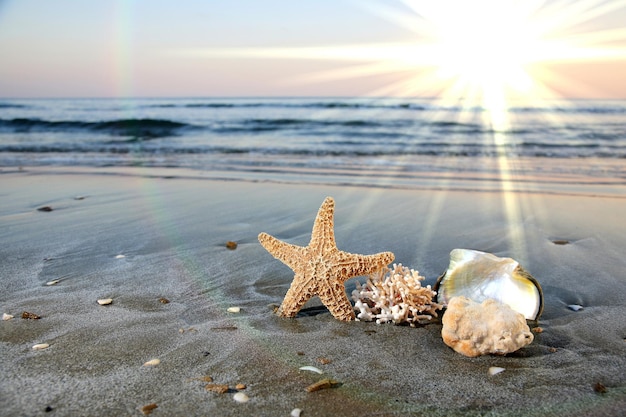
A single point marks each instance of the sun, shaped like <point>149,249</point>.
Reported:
<point>485,48</point>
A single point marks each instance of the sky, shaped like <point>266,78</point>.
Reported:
<point>204,48</point>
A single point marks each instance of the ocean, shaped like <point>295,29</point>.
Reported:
<point>358,139</point>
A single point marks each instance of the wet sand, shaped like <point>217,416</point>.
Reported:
<point>141,236</point>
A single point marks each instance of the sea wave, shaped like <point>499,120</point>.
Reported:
<point>143,128</point>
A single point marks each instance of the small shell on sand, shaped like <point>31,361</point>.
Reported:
<point>219,388</point>
<point>6,316</point>
<point>31,316</point>
<point>147,409</point>
<point>240,386</point>
<point>295,412</point>
<point>41,346</point>
<point>152,362</point>
<point>105,301</point>
<point>120,256</point>
<point>53,282</point>
<point>234,309</point>
<point>323,384</point>
<point>312,369</point>
<point>494,370</point>
<point>240,397</point>
<point>575,307</point>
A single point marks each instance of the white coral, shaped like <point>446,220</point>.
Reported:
<point>395,295</point>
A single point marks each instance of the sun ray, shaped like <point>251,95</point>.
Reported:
<point>485,55</point>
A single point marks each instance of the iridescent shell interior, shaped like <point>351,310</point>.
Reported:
<point>480,275</point>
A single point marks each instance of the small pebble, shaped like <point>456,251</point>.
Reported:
<point>231,245</point>
<point>48,409</point>
<point>120,256</point>
<point>324,361</point>
<point>240,397</point>
<point>240,386</point>
<point>575,307</point>
<point>45,208</point>
<point>233,309</point>
<point>41,346</point>
<point>494,370</point>
<point>152,362</point>
<point>295,412</point>
<point>53,282</point>
<point>31,316</point>
<point>79,197</point>
<point>538,329</point>
<point>105,301</point>
<point>164,300</point>
<point>6,316</point>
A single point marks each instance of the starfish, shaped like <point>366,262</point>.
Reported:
<point>320,268</point>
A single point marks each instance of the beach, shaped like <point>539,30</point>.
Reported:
<point>154,240</point>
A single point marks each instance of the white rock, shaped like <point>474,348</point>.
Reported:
<point>105,301</point>
<point>120,256</point>
<point>233,309</point>
<point>474,329</point>
<point>53,282</point>
<point>6,316</point>
<point>41,346</point>
<point>575,307</point>
<point>152,362</point>
<point>494,370</point>
<point>240,397</point>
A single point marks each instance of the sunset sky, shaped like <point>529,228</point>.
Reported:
<point>159,48</point>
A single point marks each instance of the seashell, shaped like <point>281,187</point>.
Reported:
<point>152,362</point>
<point>30,316</point>
<point>120,256</point>
<point>495,370</point>
<point>295,412</point>
<point>6,316</point>
<point>575,307</point>
<point>233,309</point>
<point>240,397</point>
<point>323,384</point>
<point>480,275</point>
<point>312,369</point>
<point>149,408</point>
<point>219,388</point>
<point>53,282</point>
<point>105,301</point>
<point>41,346</point>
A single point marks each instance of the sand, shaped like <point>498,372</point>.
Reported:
<point>139,236</point>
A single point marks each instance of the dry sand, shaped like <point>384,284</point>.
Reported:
<point>171,231</point>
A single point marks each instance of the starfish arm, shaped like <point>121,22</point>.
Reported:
<point>323,234</point>
<point>335,299</point>
<point>352,265</point>
<point>298,294</point>
<point>290,255</point>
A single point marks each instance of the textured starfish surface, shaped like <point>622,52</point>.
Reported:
<point>320,268</point>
